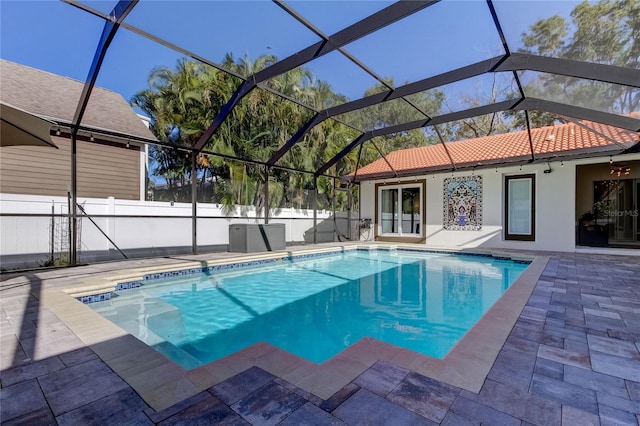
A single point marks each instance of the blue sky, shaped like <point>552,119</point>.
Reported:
<point>59,38</point>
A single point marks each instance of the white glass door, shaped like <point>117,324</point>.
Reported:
<point>400,210</point>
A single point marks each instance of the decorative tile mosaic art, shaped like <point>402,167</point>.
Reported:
<point>462,203</point>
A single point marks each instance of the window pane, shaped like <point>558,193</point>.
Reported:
<point>389,210</point>
<point>520,206</point>
<point>411,211</point>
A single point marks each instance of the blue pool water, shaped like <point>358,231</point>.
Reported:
<point>315,307</point>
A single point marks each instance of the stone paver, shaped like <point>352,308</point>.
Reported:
<point>616,366</point>
<point>612,416</point>
<point>535,409</point>
<point>206,412</point>
<point>563,356</point>
<point>565,393</point>
<point>473,411</point>
<point>613,347</point>
<point>573,358</point>
<point>339,397</point>
<point>572,416</point>
<point>20,400</point>
<point>427,397</point>
<point>75,386</point>
<point>367,408</point>
<point>122,407</point>
<point>381,378</point>
<point>513,368</point>
<point>232,390</point>
<point>549,368</point>
<point>268,405</point>
<point>311,415</point>
<point>595,381</point>
<point>30,371</point>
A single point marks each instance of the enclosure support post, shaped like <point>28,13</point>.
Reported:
<point>194,204</point>
<point>360,211</point>
<point>266,194</point>
<point>349,201</point>
<point>73,211</point>
<point>333,207</point>
<point>315,209</point>
<point>53,229</point>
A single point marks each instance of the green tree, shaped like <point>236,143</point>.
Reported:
<point>183,101</point>
<point>482,125</point>
<point>606,32</point>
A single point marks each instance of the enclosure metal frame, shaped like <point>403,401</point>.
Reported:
<point>508,62</point>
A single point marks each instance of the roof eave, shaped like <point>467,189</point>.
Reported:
<point>593,152</point>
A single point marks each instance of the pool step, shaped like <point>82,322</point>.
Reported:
<point>90,289</point>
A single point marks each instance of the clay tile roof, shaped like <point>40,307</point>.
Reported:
<point>55,97</point>
<point>551,141</point>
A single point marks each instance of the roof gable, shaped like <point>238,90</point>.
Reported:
<point>55,97</point>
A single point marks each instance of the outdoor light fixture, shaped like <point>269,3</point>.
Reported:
<point>91,137</point>
<point>562,164</point>
<point>619,169</point>
<point>58,132</point>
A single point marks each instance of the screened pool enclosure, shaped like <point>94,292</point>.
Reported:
<point>263,111</point>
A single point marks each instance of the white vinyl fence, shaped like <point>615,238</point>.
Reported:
<point>137,227</point>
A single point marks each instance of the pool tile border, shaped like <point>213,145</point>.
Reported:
<point>127,285</point>
<point>162,383</point>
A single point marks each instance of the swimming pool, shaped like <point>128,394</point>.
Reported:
<point>315,307</point>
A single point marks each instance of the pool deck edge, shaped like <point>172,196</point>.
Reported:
<point>162,383</point>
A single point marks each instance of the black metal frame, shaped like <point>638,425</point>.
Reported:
<point>111,26</point>
<point>508,62</point>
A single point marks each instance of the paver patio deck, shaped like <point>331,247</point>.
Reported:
<point>572,358</point>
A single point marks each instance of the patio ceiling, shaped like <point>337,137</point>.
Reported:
<point>418,46</point>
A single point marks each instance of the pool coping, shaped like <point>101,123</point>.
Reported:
<point>162,383</point>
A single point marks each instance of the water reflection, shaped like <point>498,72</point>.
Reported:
<point>317,308</point>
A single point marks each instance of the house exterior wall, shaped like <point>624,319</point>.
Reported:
<point>555,215</point>
<point>104,170</point>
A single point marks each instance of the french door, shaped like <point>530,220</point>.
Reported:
<point>400,210</point>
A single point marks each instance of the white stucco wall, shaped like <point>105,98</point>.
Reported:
<point>555,215</point>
